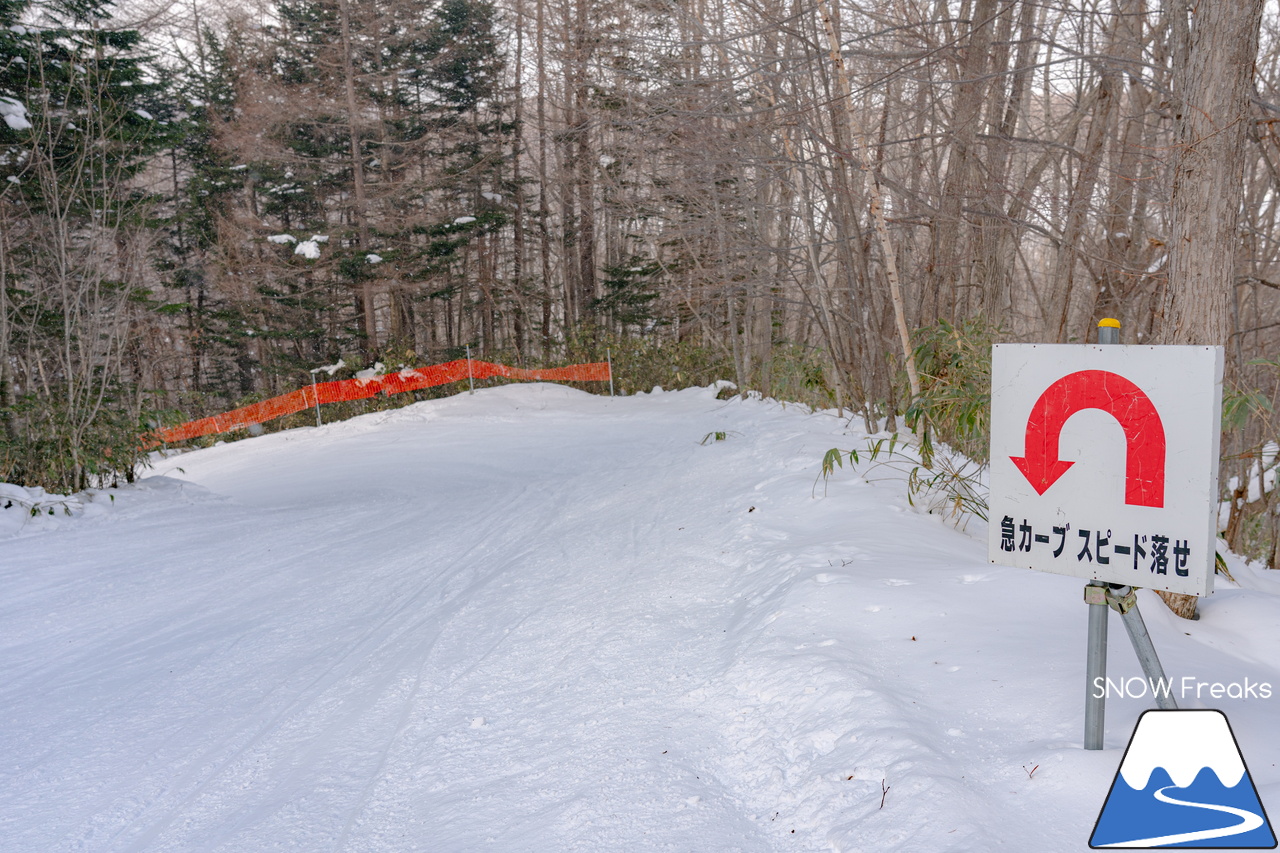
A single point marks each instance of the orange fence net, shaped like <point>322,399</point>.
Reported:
<point>360,389</point>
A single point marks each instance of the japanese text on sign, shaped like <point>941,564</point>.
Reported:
<point>1155,552</point>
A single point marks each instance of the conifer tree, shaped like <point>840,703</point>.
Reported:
<point>77,242</point>
<point>463,104</point>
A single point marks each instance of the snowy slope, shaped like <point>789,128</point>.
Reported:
<point>538,620</point>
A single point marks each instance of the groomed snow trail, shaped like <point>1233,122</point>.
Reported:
<point>535,619</point>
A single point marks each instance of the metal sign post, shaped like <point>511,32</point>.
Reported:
<point>1095,670</point>
<point>1123,600</point>
<point>1104,467</point>
<point>1095,595</point>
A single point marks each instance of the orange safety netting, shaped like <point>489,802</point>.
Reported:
<point>360,389</point>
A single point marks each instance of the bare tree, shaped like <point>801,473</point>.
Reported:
<point>1214,52</point>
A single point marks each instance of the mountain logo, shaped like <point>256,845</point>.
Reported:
<point>1183,783</point>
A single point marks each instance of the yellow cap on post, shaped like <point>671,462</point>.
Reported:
<point>1109,331</point>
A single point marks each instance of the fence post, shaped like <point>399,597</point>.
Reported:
<point>608,354</point>
<point>315,394</point>
<point>471,382</point>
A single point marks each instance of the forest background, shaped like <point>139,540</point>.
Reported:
<point>837,202</point>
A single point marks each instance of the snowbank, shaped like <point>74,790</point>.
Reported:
<point>536,619</point>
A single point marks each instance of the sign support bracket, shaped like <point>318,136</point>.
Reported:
<point>1102,597</point>
<point>1124,601</point>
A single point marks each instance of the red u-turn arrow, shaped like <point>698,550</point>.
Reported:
<point>1118,397</point>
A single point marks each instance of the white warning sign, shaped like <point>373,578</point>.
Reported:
<point>1104,462</point>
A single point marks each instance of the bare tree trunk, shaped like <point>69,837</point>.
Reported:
<point>1066,291</point>
<point>544,228</point>
<point>517,229</point>
<point>585,161</point>
<point>357,173</point>
<point>6,378</point>
<point>1213,78</point>
<point>845,92</point>
<point>952,238</point>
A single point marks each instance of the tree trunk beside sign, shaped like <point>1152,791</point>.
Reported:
<point>1214,49</point>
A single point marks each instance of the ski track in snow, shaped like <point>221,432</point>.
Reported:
<point>535,619</point>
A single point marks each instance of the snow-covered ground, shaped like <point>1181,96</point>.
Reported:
<point>538,620</point>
